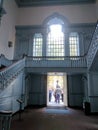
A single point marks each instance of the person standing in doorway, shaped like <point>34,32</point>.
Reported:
<point>62,96</point>
<point>57,93</point>
<point>50,95</point>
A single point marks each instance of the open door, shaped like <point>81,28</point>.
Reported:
<point>56,89</point>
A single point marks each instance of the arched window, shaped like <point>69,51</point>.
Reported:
<point>74,44</point>
<point>55,38</point>
<point>37,44</point>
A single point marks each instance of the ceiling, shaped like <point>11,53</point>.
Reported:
<point>27,3</point>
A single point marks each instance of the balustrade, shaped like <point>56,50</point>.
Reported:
<point>93,48</point>
<point>72,61</point>
<point>7,75</point>
<point>10,73</point>
<point>5,120</point>
<point>4,61</point>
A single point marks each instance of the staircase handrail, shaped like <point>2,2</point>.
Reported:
<point>93,47</point>
<point>4,61</point>
<point>91,39</point>
<point>9,73</point>
<point>48,57</point>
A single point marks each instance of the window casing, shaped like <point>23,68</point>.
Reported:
<point>37,45</point>
<point>74,44</point>
<point>55,45</point>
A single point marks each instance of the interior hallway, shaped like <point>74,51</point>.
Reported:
<point>54,119</point>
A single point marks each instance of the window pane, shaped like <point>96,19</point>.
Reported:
<point>37,44</point>
<point>74,44</point>
<point>55,41</point>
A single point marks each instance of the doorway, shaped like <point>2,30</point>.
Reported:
<point>56,89</point>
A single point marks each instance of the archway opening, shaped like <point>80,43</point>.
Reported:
<point>57,89</point>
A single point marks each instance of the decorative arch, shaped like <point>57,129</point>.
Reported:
<point>56,16</point>
<point>56,26</point>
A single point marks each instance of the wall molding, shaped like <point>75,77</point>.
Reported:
<point>29,3</point>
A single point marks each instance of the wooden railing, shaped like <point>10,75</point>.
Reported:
<point>93,48</point>
<point>67,61</point>
<point>4,61</point>
<point>10,73</point>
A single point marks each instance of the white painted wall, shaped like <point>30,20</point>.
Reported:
<point>97,9</point>
<point>74,13</point>
<point>36,16</point>
<point>7,28</point>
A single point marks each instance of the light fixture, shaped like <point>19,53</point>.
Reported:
<point>10,43</point>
